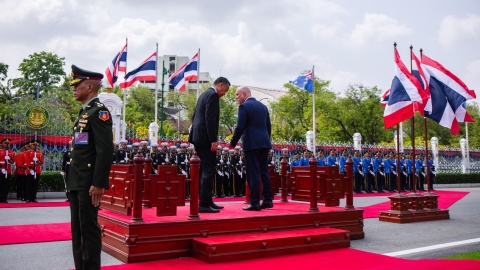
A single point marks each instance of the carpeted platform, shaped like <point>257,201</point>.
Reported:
<point>34,233</point>
<point>38,204</point>
<point>345,258</point>
<point>446,199</point>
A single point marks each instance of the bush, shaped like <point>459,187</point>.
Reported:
<point>457,178</point>
<point>50,181</point>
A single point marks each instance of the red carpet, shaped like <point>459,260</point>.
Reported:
<point>446,199</point>
<point>39,204</point>
<point>34,233</point>
<point>345,258</point>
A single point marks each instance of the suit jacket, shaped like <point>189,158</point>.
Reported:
<point>91,156</point>
<point>205,119</point>
<point>253,125</point>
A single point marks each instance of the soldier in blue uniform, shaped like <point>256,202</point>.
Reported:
<point>331,159</point>
<point>409,167</point>
<point>343,161</point>
<point>431,171</point>
<point>357,171</point>
<point>378,169</point>
<point>420,171</point>
<point>305,159</point>
<point>320,158</point>
<point>368,171</point>
<point>296,160</point>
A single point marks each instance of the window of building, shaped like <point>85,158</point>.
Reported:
<point>172,64</point>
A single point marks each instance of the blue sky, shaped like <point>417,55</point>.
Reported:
<point>258,43</point>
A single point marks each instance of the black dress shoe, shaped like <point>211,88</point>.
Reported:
<point>202,209</point>
<point>266,205</point>
<point>252,208</point>
<point>214,206</point>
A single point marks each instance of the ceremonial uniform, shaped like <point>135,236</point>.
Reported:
<point>368,172</point>
<point>7,159</point>
<point>34,159</point>
<point>378,171</point>
<point>67,155</point>
<point>432,173</point>
<point>90,165</point>
<point>420,171</point>
<point>331,160</point>
<point>409,165</point>
<point>20,173</point>
<point>182,162</point>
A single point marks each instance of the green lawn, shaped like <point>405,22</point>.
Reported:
<point>474,255</point>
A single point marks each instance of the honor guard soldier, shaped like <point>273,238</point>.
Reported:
<point>343,162</point>
<point>237,175</point>
<point>392,176</point>
<point>144,148</point>
<point>20,173</point>
<point>154,155</point>
<point>296,160</point>
<point>115,148</point>
<point>286,157</point>
<point>34,159</point>
<point>320,159</point>
<point>368,172</point>
<point>271,158</point>
<point>182,162</point>
<point>135,148</point>
<point>7,159</point>
<point>305,159</point>
<point>357,173</point>
<point>226,172</point>
<point>67,155</point>
<point>172,159</point>
<point>163,154</point>
<point>378,171</point>
<point>90,165</point>
<point>331,159</point>
<point>218,181</point>
<point>122,154</point>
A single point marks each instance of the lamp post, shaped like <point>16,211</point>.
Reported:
<point>165,72</point>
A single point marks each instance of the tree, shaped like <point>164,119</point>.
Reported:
<point>5,89</point>
<point>228,110</point>
<point>44,68</point>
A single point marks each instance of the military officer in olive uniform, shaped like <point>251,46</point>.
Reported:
<point>90,164</point>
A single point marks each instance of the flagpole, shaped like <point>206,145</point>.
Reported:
<point>468,150</point>
<point>313,109</point>
<point>198,74</point>
<point>412,122</point>
<point>426,144</point>
<point>398,147</point>
<point>124,98</point>
<point>156,85</point>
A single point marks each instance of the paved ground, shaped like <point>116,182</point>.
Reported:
<point>380,237</point>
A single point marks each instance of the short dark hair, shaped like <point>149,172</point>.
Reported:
<point>220,80</point>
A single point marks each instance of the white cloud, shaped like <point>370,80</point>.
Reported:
<point>454,31</point>
<point>377,28</point>
<point>472,78</point>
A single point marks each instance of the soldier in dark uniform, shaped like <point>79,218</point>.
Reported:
<point>135,148</point>
<point>115,148</point>
<point>122,154</point>
<point>182,162</point>
<point>154,156</point>
<point>172,159</point>
<point>144,148</point>
<point>236,172</point>
<point>163,155</point>
<point>219,175</point>
<point>67,155</point>
<point>286,157</point>
<point>89,171</point>
<point>226,172</point>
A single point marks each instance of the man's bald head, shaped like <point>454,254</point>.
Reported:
<point>242,94</point>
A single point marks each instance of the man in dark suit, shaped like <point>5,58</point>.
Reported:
<point>203,134</point>
<point>253,125</point>
<point>89,171</point>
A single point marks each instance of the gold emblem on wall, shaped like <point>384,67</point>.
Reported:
<point>37,117</point>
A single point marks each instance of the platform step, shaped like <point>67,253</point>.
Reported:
<point>260,245</point>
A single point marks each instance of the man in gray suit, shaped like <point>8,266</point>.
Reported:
<point>253,125</point>
<point>204,135</point>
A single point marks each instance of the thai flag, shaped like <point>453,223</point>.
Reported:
<point>385,97</point>
<point>423,77</point>
<point>442,81</point>
<point>145,72</point>
<point>304,81</point>
<point>404,92</point>
<point>119,63</point>
<point>188,72</point>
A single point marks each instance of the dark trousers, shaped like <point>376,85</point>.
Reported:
<point>256,163</point>
<point>207,164</point>
<point>392,181</point>
<point>358,179</point>
<point>368,182</point>
<point>421,182</point>
<point>4,187</point>
<point>219,180</point>
<point>227,178</point>
<point>380,181</point>
<point>86,233</point>
<point>21,182</point>
<point>403,181</point>
<point>432,180</point>
<point>32,186</point>
<point>410,181</point>
<point>237,184</point>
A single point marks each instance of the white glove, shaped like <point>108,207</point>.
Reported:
<point>221,161</point>
<point>372,173</point>
<point>273,162</point>
<point>383,164</point>
<point>32,172</point>
<point>383,174</point>
<point>239,173</point>
<point>394,172</point>
<point>361,173</point>
<point>240,162</point>
<point>4,171</point>
<point>62,173</point>
<point>155,171</point>
<point>35,159</point>
<point>336,163</point>
<point>184,172</point>
<point>404,173</point>
<point>166,160</point>
<point>143,171</point>
<point>126,158</point>
<point>220,173</point>
<point>7,158</point>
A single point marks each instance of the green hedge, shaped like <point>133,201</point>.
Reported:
<point>53,181</point>
<point>49,181</point>
<point>457,178</point>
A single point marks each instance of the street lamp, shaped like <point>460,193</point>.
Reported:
<point>165,72</point>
